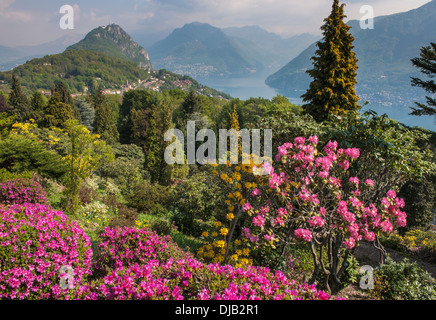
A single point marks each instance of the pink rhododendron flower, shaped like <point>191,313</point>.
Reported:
<point>354,180</point>
<point>349,243</point>
<point>314,139</point>
<point>256,192</point>
<point>353,153</point>
<point>258,221</point>
<point>369,182</point>
<point>391,194</point>
<point>304,234</point>
<point>316,221</point>
<point>247,207</point>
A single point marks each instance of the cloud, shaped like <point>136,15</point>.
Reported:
<point>29,20</point>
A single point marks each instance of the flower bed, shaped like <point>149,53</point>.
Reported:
<point>42,253</point>
<point>20,191</point>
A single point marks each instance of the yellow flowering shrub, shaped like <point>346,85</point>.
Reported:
<point>223,244</point>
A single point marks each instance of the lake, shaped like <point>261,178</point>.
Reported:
<point>248,87</point>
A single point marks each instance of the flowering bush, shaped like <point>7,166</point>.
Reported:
<point>190,279</point>
<point>37,248</point>
<point>123,247</point>
<point>311,196</point>
<point>20,191</point>
<point>141,265</point>
<point>94,210</point>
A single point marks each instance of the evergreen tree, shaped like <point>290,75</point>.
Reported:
<point>191,105</point>
<point>165,172</point>
<point>334,70</point>
<point>57,113</point>
<point>104,123</point>
<point>427,64</point>
<point>64,93</point>
<point>20,106</point>
<point>38,102</point>
<point>4,107</point>
<point>152,148</point>
<point>86,112</point>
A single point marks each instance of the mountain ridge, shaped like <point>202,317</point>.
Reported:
<point>115,42</point>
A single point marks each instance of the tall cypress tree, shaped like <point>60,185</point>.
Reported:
<point>334,70</point>
<point>20,106</point>
<point>152,146</point>
<point>104,123</point>
<point>427,63</point>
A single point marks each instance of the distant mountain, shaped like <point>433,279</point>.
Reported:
<point>384,55</point>
<point>81,69</point>
<point>278,50</point>
<point>115,42</point>
<point>11,57</point>
<point>203,51</point>
<point>78,69</point>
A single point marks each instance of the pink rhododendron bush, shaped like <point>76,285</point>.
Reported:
<point>312,196</point>
<point>43,253</point>
<point>20,191</point>
<point>138,264</point>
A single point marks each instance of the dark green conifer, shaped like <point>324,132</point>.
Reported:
<point>332,90</point>
<point>427,63</point>
<point>104,123</point>
<point>19,104</point>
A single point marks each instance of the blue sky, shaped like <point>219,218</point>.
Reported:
<point>34,22</point>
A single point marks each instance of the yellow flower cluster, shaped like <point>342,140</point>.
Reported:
<point>240,181</point>
<point>24,129</point>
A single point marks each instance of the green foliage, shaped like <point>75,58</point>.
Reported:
<point>403,281</point>
<point>38,104</point>
<point>19,104</point>
<point>427,65</point>
<point>334,71</point>
<point>420,200</point>
<point>6,175</point>
<point>57,113</point>
<point>19,154</point>
<point>6,122</point>
<point>104,123</point>
<point>87,154</point>
<point>196,200</point>
<point>149,198</point>
<point>77,68</point>
<point>128,167</point>
<point>86,113</point>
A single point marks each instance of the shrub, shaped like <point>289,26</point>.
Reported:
<point>20,191</point>
<point>94,210</point>
<point>149,198</point>
<point>161,226</point>
<point>6,175</point>
<point>124,215</point>
<point>194,200</point>
<point>87,194</point>
<point>123,247</point>
<point>138,264</point>
<point>192,280</point>
<point>403,281</point>
<point>37,244</point>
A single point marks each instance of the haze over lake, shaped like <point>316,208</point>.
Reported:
<point>248,87</point>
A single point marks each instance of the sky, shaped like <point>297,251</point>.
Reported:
<point>30,22</point>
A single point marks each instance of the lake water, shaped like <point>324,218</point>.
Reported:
<point>245,88</point>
